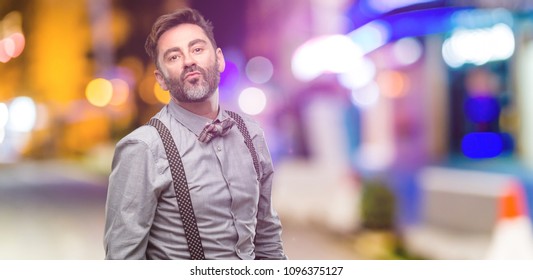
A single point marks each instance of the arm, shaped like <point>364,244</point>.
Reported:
<point>268,243</point>
<point>131,201</point>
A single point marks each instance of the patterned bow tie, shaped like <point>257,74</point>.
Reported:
<point>215,129</point>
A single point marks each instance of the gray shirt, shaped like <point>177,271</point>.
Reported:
<point>232,207</point>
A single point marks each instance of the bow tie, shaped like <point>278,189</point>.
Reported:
<point>215,129</point>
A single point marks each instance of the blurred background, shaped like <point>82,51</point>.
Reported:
<point>399,129</point>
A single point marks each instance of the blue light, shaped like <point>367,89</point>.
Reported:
<point>482,109</point>
<point>421,22</point>
<point>230,77</point>
<point>481,145</point>
<point>386,6</point>
<point>229,80</point>
<point>411,23</point>
<point>508,142</point>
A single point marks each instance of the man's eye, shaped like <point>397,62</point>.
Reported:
<point>197,50</point>
<point>172,57</point>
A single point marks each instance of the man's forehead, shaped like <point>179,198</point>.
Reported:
<point>182,35</point>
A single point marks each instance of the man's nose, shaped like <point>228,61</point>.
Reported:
<point>188,60</point>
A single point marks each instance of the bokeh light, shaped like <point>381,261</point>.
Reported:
<point>43,117</point>
<point>371,35</point>
<point>230,76</point>
<point>366,96</point>
<point>325,54</point>
<point>407,51</point>
<point>19,43</point>
<point>121,92</point>
<point>9,46</point>
<point>22,114</point>
<point>4,57</point>
<point>99,92</point>
<point>4,114</point>
<point>374,156</point>
<point>161,95</point>
<point>482,109</point>
<point>12,41</point>
<point>259,69</point>
<point>449,56</point>
<point>482,82</point>
<point>252,101</point>
<point>478,46</point>
<point>382,6</point>
<point>480,145</point>
<point>229,79</point>
<point>362,72</point>
<point>392,83</point>
<point>147,90</point>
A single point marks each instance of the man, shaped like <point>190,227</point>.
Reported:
<point>231,196</point>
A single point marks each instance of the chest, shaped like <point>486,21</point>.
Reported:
<point>220,174</point>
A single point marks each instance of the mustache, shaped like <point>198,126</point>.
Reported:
<point>192,68</point>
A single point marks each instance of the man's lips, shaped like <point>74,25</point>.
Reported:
<point>192,74</point>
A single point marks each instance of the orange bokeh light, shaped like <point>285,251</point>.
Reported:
<point>393,84</point>
<point>99,92</point>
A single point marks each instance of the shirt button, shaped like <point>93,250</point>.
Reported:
<point>219,148</point>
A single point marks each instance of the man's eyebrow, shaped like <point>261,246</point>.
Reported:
<point>196,41</point>
<point>177,49</point>
<point>173,49</point>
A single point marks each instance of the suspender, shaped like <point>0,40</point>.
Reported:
<point>247,139</point>
<point>182,191</point>
<point>180,181</point>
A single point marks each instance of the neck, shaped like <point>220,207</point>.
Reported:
<point>207,108</point>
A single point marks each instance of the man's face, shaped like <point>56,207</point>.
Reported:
<point>189,66</point>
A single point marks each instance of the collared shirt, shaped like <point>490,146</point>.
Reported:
<point>232,207</point>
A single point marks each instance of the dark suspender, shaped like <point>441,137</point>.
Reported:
<point>180,181</point>
<point>247,139</point>
<point>182,191</point>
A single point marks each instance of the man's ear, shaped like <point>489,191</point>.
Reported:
<point>160,79</point>
<point>221,60</point>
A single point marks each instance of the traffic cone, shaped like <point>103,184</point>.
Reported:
<point>513,234</point>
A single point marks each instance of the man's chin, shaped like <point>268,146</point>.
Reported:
<point>194,81</point>
<point>191,98</point>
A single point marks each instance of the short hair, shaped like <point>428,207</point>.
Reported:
<point>168,21</point>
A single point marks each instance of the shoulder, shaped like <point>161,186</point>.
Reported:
<point>141,147</point>
<point>146,134</point>
<point>141,142</point>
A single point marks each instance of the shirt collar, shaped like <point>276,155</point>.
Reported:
<point>191,121</point>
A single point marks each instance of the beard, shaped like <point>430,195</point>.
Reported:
<point>196,89</point>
